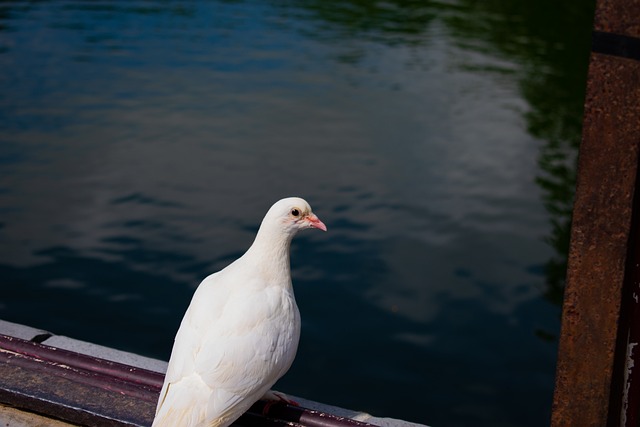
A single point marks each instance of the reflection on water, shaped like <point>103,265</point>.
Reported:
<point>552,81</point>
<point>142,142</point>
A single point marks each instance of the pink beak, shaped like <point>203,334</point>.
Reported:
<point>315,222</point>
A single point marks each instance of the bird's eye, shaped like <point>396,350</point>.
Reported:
<point>295,212</point>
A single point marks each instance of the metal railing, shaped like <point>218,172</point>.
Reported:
<point>87,390</point>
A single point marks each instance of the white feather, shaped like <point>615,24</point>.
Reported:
<point>240,333</point>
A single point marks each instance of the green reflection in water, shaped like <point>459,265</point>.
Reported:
<point>549,41</point>
<point>552,41</point>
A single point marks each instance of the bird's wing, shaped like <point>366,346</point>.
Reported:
<point>181,364</point>
<point>238,360</point>
<point>182,386</point>
<point>222,353</point>
<point>223,356</point>
<point>183,403</point>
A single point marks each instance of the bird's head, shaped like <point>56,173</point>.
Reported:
<point>292,215</point>
<point>282,222</point>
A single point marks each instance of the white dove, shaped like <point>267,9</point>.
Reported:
<point>240,333</point>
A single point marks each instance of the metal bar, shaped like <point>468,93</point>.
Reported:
<point>25,385</point>
<point>303,416</point>
<point>83,361</point>
<point>91,391</point>
<point>83,376</point>
<point>616,45</point>
<point>58,411</point>
<point>250,419</point>
<point>595,318</point>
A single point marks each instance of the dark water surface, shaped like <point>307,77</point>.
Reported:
<point>142,142</point>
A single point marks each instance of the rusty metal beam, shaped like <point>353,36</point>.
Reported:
<point>86,390</point>
<point>590,377</point>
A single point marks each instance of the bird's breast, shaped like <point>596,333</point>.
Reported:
<point>263,325</point>
<point>277,321</point>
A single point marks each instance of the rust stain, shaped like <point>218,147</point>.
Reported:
<point>618,16</point>
<point>603,207</point>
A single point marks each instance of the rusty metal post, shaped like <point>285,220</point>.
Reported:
<point>594,383</point>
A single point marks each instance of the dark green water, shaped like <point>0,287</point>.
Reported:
<point>142,142</point>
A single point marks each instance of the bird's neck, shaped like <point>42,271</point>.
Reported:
<point>269,253</point>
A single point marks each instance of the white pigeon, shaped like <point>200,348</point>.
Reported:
<point>240,333</point>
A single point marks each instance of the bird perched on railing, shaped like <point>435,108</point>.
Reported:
<point>240,333</point>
